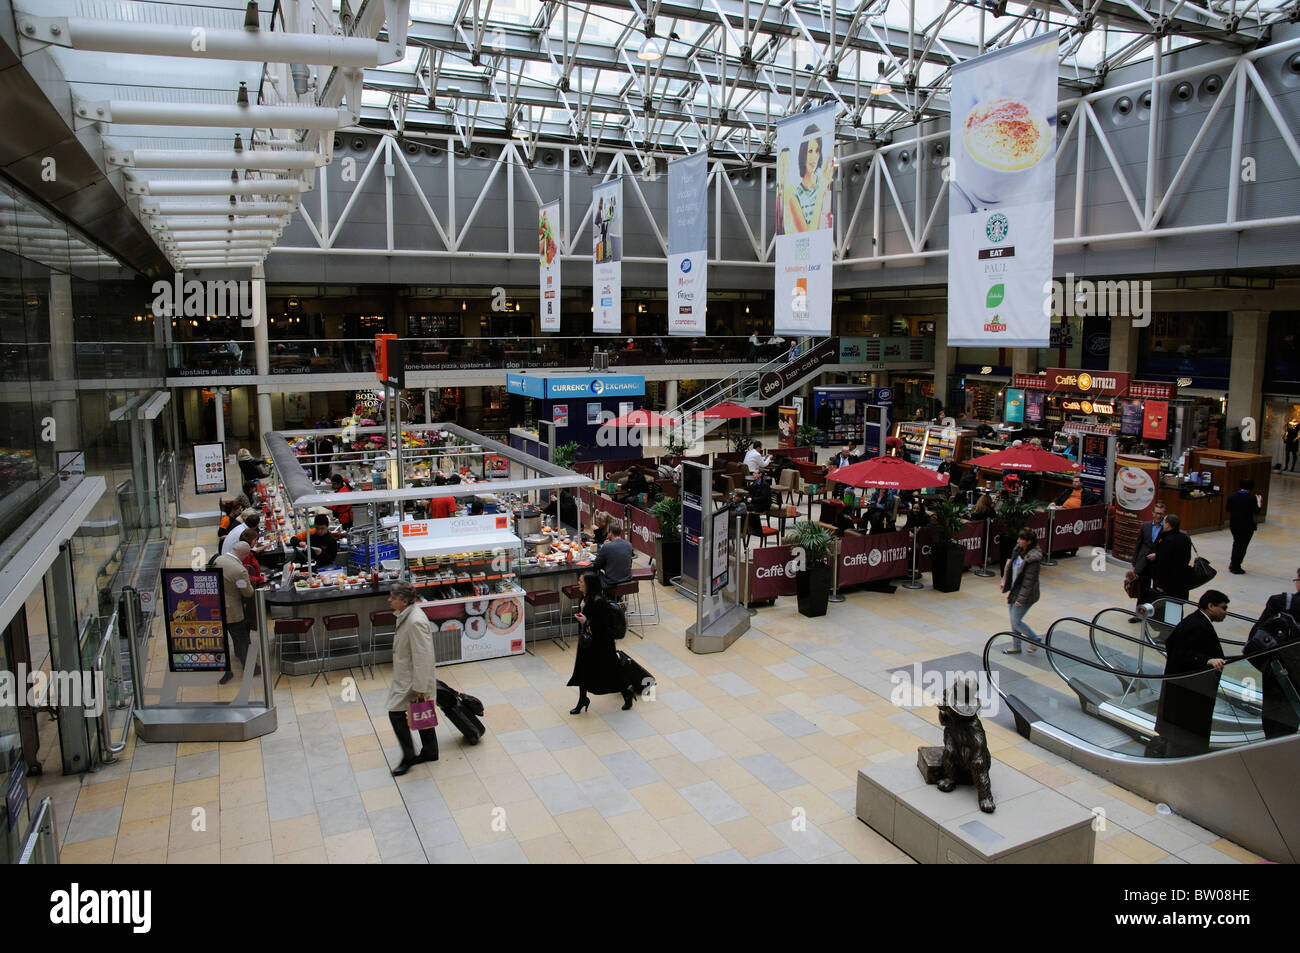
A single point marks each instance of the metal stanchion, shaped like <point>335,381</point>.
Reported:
<point>835,572</point>
<point>1051,523</point>
<point>914,577</point>
<point>984,570</point>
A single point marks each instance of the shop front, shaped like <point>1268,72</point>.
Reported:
<point>577,406</point>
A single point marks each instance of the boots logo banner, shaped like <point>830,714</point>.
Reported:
<point>198,299</point>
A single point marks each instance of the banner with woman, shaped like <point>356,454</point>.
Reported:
<point>805,234</point>
<point>607,257</point>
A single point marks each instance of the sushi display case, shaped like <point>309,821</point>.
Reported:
<point>465,570</point>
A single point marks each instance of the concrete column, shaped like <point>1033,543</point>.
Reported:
<point>473,408</point>
<point>945,359</point>
<point>1246,377</point>
<point>261,349</point>
<point>1123,346</point>
<point>63,365</point>
<point>670,396</point>
<point>1024,360</point>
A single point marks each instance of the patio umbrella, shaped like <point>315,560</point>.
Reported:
<point>890,473</point>
<point>728,411</point>
<point>1026,458</point>
<point>642,418</point>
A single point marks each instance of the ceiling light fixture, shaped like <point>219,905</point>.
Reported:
<point>650,49</point>
<point>881,86</point>
<point>251,19</point>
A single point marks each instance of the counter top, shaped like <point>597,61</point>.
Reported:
<point>525,572</point>
<point>299,597</point>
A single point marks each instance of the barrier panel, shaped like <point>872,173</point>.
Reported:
<point>768,572</point>
<point>1075,529</point>
<point>642,530</point>
<point>871,558</point>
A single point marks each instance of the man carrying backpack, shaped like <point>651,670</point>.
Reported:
<point>1274,644</point>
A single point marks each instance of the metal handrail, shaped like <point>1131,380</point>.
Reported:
<point>105,731</point>
<point>41,837</point>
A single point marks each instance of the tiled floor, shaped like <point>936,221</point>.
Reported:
<point>716,768</point>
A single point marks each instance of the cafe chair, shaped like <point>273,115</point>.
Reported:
<point>293,643</point>
<point>342,637</point>
<point>625,593</point>
<point>545,602</point>
<point>756,528</point>
<point>786,484</point>
<point>647,574</point>
<point>383,629</point>
<point>829,516</point>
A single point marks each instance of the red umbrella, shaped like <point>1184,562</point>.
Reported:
<point>642,418</point>
<point>891,473</point>
<point>728,410</point>
<point>1028,458</point>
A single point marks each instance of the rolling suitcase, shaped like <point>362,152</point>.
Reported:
<point>462,711</point>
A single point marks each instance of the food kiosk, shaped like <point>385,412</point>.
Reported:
<point>578,405</point>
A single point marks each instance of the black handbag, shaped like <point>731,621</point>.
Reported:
<point>1201,571</point>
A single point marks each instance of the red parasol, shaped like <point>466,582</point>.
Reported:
<point>728,410</point>
<point>1027,458</point>
<point>642,418</point>
<point>891,473</point>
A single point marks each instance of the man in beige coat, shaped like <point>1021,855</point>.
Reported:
<point>414,675</point>
<point>239,594</point>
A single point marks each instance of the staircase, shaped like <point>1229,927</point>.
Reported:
<point>758,388</point>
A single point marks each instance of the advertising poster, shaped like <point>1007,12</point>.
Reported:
<point>1035,400</point>
<point>688,228</point>
<point>607,257</point>
<point>594,411</point>
<point>1002,198</point>
<point>721,528</point>
<point>805,237</point>
<point>1015,406</point>
<point>693,494</point>
<point>787,422</point>
<point>548,256</point>
<point>209,468</point>
<point>196,620</point>
<point>560,415</point>
<point>1136,481</point>
<point>1130,421</point>
<point>1155,420</point>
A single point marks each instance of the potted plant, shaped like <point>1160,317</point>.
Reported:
<point>1013,516</point>
<point>946,554</point>
<point>741,442</point>
<point>668,544</point>
<point>808,436</point>
<point>813,581</point>
<point>562,455</point>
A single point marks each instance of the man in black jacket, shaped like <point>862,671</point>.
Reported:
<point>1281,666</point>
<point>1242,507</point>
<point>1186,709</point>
<point>1172,559</point>
<point>1146,545</point>
<point>842,459</point>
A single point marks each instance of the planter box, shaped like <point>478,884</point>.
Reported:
<point>813,589</point>
<point>946,566</point>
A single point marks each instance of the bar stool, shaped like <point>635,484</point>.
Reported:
<point>546,602</point>
<point>383,624</point>
<point>345,622</point>
<point>625,591</point>
<point>573,593</point>
<point>293,643</point>
<point>647,574</point>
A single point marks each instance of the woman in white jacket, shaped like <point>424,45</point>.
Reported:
<point>414,675</point>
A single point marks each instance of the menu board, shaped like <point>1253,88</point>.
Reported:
<point>721,526</point>
<point>209,468</point>
<point>196,620</point>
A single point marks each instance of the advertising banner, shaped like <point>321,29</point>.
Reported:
<point>1136,481</point>
<point>1130,421</point>
<point>787,425</point>
<point>868,558</point>
<point>548,255</point>
<point>642,529</point>
<point>720,541</point>
<point>1015,406</point>
<point>1074,529</point>
<point>1002,200</point>
<point>768,575</point>
<point>607,257</point>
<point>1035,400</point>
<point>972,538</point>
<point>688,242</point>
<point>209,468</point>
<point>195,610</point>
<point>1155,420</point>
<point>696,487</point>
<point>805,238</point>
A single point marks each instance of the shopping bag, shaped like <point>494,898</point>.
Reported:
<point>423,714</point>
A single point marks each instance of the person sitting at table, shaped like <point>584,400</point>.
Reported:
<point>917,517</point>
<point>1076,496</point>
<point>984,508</point>
<point>324,548</point>
<point>755,460</point>
<point>475,507</point>
<point>600,528</point>
<point>614,559</point>
<point>255,574</point>
<point>344,512</point>
<point>230,510</point>
<point>877,520</point>
<point>246,529</point>
<point>636,485</point>
<point>760,495</point>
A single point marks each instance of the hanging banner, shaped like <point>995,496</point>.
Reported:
<point>1155,420</point>
<point>548,256</point>
<point>1015,406</point>
<point>787,426</point>
<point>688,230</point>
<point>805,237</point>
<point>607,257</point>
<point>1002,200</point>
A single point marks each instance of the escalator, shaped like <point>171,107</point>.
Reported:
<point>1092,695</point>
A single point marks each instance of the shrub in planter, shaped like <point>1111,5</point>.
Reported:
<point>1013,516</point>
<point>946,554</point>
<point>668,544</point>
<point>813,582</point>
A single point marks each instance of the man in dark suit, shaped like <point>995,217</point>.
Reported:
<point>1172,559</point>
<point>1281,666</point>
<point>1146,545</point>
<point>842,459</point>
<point>1186,709</point>
<point>1242,507</point>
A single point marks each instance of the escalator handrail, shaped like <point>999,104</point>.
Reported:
<point>1155,618</point>
<point>1193,605</point>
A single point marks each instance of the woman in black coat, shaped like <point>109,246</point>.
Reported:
<point>597,669</point>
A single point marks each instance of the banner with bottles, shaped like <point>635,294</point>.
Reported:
<point>607,257</point>
<point>805,236</point>
<point>688,239</point>
<point>1002,196</point>
<point>548,254</point>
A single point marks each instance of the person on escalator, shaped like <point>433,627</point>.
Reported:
<point>1281,665</point>
<point>1185,711</point>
